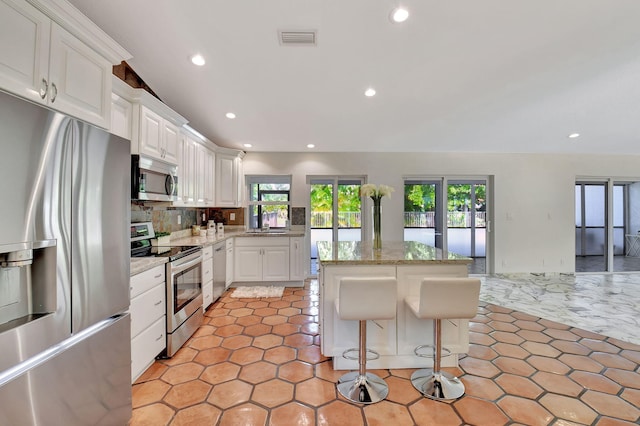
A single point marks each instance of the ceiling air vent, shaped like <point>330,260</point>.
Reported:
<point>297,38</point>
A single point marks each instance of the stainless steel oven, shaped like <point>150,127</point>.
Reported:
<point>184,298</point>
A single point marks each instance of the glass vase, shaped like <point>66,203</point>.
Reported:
<point>377,239</point>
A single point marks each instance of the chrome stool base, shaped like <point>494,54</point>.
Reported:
<point>440,386</point>
<point>366,389</point>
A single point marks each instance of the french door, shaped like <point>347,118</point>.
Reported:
<point>450,214</point>
<point>607,228</point>
<point>335,208</point>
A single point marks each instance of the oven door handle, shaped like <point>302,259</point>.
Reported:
<point>182,267</point>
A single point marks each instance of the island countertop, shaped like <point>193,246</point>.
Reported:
<point>391,253</point>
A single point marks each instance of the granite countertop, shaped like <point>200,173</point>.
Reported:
<point>391,253</point>
<point>210,240</point>
<point>141,264</point>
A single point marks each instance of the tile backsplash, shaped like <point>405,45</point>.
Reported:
<point>164,218</point>
<point>298,216</point>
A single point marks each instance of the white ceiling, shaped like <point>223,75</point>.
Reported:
<point>476,75</point>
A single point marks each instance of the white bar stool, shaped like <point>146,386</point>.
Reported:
<point>442,298</point>
<point>362,299</point>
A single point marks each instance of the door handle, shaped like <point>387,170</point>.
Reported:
<point>44,88</point>
<point>54,89</point>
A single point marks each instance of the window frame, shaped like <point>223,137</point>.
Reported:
<point>275,180</point>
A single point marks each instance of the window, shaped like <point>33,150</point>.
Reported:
<point>269,201</point>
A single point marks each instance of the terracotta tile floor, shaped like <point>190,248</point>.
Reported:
<point>257,362</point>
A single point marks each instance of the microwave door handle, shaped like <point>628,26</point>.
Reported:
<point>169,184</point>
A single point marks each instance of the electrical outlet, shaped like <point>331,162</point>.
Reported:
<point>232,216</point>
<point>179,219</point>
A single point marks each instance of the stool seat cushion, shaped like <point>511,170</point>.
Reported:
<point>446,298</point>
<point>366,298</point>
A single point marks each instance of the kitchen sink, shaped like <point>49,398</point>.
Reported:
<point>271,231</point>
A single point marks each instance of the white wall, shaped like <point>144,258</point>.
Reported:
<point>534,228</point>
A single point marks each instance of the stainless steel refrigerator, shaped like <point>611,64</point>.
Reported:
<point>65,354</point>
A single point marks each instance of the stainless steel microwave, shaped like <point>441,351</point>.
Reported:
<point>153,179</point>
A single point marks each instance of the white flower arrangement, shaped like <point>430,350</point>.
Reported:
<point>375,192</point>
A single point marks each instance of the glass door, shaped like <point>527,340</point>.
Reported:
<point>467,221</point>
<point>423,218</point>
<point>592,240</point>
<point>626,226</point>
<point>335,212</point>
<point>450,214</point>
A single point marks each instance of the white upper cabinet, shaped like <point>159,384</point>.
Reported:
<point>45,63</point>
<point>158,136</point>
<point>196,172</point>
<point>228,180</point>
<point>209,176</point>
<point>79,79</point>
<point>186,172</point>
<point>170,138</point>
<point>121,114</point>
<point>150,133</point>
<point>24,50</point>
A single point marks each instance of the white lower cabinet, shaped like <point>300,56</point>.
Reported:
<point>261,259</point>
<point>148,318</point>
<point>146,346</point>
<point>207,277</point>
<point>297,259</point>
<point>229,263</point>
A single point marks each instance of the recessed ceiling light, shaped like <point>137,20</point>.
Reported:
<point>198,60</point>
<point>310,145</point>
<point>399,14</point>
<point>370,92</point>
<point>230,115</point>
<point>574,135</point>
<point>247,145</point>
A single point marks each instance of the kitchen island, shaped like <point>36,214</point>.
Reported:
<point>396,339</point>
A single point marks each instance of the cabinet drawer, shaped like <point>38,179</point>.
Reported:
<point>147,308</point>
<point>229,243</point>
<point>207,270</point>
<point>146,346</point>
<point>261,241</point>
<point>207,252</point>
<point>207,294</point>
<point>145,280</point>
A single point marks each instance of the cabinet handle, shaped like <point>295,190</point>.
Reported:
<point>54,88</point>
<point>160,337</point>
<point>44,88</point>
<point>158,276</point>
<point>157,303</point>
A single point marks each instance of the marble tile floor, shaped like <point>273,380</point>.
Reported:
<point>257,362</point>
<point>607,304</point>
